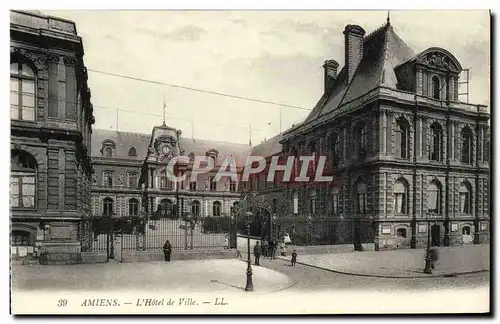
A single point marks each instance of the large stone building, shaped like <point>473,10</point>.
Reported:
<point>51,118</point>
<point>408,157</point>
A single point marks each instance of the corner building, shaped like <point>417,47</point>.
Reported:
<point>409,159</point>
<point>51,120</point>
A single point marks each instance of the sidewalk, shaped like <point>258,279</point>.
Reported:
<point>407,263</point>
<point>197,276</point>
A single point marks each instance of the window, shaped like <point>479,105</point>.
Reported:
<point>401,232</point>
<point>22,180</point>
<point>436,144</point>
<point>167,208</point>
<point>213,184</point>
<point>335,200</point>
<point>20,238</point>
<point>234,208</point>
<point>133,207</point>
<point>434,197</point>
<point>335,148</point>
<point>132,152</point>
<point>295,203</point>
<point>108,152</point>
<point>195,208</point>
<point>466,137</point>
<point>232,186</point>
<point>108,206</point>
<point>466,230</point>
<point>217,208</point>
<point>361,197</point>
<point>465,198</point>
<point>192,185</point>
<point>107,179</point>
<point>400,197</point>
<point>313,151</point>
<point>361,140</point>
<point>402,138</point>
<point>296,162</point>
<point>22,92</point>
<point>165,182</point>
<point>436,89</point>
<point>313,198</point>
<point>132,179</point>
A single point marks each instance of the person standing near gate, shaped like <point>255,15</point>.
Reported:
<point>167,250</point>
<point>257,251</point>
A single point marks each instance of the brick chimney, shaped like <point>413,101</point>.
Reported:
<point>330,68</point>
<point>353,49</point>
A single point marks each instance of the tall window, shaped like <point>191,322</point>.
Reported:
<point>234,208</point>
<point>108,206</point>
<point>107,178</point>
<point>436,88</point>
<point>216,208</point>
<point>195,208</point>
<point>401,232</point>
<point>22,92</point>
<point>361,140</point>
<point>335,148</point>
<point>400,197</point>
<point>466,230</point>
<point>434,197</point>
<point>436,144</point>
<point>335,200</point>
<point>108,152</point>
<point>192,185</point>
<point>361,203</point>
<point>465,198</point>
<point>22,180</point>
<point>132,179</point>
<point>213,184</point>
<point>165,182</point>
<point>466,137</point>
<point>132,152</point>
<point>232,186</point>
<point>295,203</point>
<point>313,201</point>
<point>167,208</point>
<point>403,138</point>
<point>313,151</point>
<point>133,207</point>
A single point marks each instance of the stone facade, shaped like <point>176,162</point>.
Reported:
<point>51,118</point>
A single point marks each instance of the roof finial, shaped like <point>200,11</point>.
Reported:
<point>164,107</point>
<point>388,17</point>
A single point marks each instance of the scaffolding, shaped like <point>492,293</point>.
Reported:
<point>464,81</point>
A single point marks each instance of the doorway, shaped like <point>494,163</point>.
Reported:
<point>435,235</point>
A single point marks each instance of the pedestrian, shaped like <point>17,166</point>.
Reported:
<point>257,251</point>
<point>283,248</point>
<point>434,256</point>
<point>294,258</point>
<point>274,245</point>
<point>167,250</point>
<point>265,248</point>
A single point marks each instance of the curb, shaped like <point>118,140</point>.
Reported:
<point>444,275</point>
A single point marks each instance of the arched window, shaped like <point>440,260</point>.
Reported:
<point>335,200</point>
<point>108,152</point>
<point>192,185</point>
<point>334,148</point>
<point>22,180</point>
<point>434,191</point>
<point>436,88</point>
<point>361,203</point>
<point>167,208</point>
<point>195,208</point>
<point>436,145</point>
<point>132,151</point>
<point>313,201</point>
<point>133,207</point>
<point>401,232</point>
<point>22,92</point>
<point>296,164</point>
<point>213,184</point>
<point>232,186</point>
<point>361,134</point>
<point>234,207</point>
<point>400,197</point>
<point>132,179</point>
<point>165,182</point>
<point>216,208</point>
<point>402,138</point>
<point>107,178</point>
<point>295,203</point>
<point>465,195</point>
<point>108,209</point>
<point>466,230</point>
<point>313,151</point>
<point>466,138</point>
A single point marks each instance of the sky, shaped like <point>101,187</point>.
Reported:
<point>274,56</point>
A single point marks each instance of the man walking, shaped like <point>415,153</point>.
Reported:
<point>167,250</point>
<point>257,251</point>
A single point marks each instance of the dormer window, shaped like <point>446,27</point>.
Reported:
<point>212,155</point>
<point>108,152</point>
<point>132,151</point>
<point>436,88</point>
<point>108,147</point>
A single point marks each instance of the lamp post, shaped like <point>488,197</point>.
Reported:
<point>249,284</point>
<point>309,238</point>
<point>427,268</point>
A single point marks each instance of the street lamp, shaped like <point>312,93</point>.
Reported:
<point>309,229</point>
<point>427,268</point>
<point>249,285</point>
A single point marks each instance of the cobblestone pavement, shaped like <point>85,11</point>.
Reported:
<point>402,263</point>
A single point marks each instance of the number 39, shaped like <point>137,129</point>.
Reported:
<point>62,302</point>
